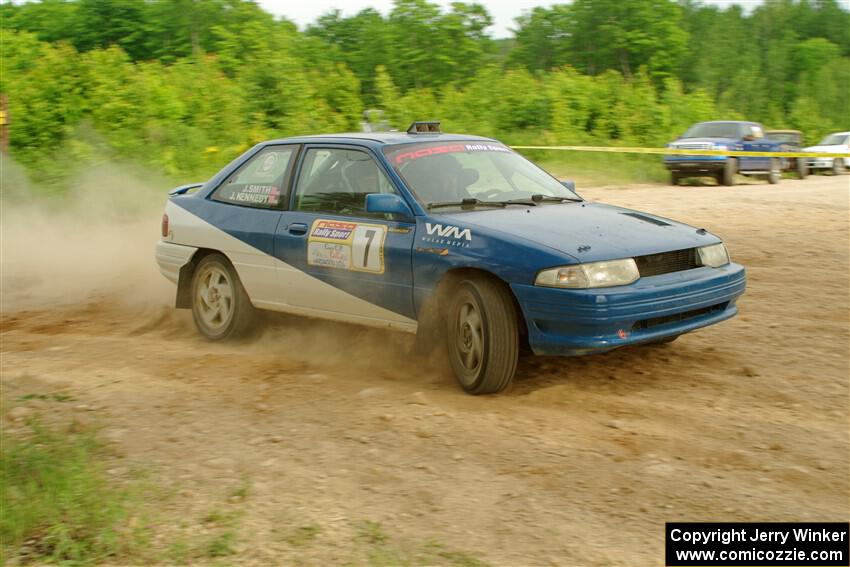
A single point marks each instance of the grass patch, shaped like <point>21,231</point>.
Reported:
<point>55,397</point>
<point>56,503</point>
<point>592,168</point>
<point>221,545</point>
<point>382,552</point>
<point>240,493</point>
<point>303,535</point>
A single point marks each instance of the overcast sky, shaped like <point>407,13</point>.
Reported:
<point>304,12</point>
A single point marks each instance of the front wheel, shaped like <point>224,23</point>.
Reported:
<point>775,174</point>
<point>483,336</point>
<point>220,307</point>
<point>674,178</point>
<point>802,168</point>
<point>837,166</point>
<point>730,168</point>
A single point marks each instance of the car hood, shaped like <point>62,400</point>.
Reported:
<point>826,149</point>
<point>725,141</point>
<point>587,231</point>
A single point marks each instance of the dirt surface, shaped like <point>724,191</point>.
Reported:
<point>330,444</point>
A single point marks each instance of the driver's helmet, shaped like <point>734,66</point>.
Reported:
<point>435,177</point>
<point>362,176</point>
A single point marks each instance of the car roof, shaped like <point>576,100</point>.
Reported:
<point>380,138</point>
<point>729,122</point>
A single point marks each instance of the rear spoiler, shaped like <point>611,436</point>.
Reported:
<point>183,189</point>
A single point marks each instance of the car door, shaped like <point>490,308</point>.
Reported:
<point>358,265</point>
<point>753,140</point>
<point>240,218</point>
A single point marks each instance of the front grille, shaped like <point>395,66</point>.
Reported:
<point>693,146</point>
<point>678,317</point>
<point>666,262</point>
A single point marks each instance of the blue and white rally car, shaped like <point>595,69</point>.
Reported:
<point>456,238</point>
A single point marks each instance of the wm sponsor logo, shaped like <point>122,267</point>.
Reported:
<point>448,231</point>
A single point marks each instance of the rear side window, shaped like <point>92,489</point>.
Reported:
<point>261,181</point>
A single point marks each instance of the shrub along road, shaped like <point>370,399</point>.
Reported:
<point>319,443</point>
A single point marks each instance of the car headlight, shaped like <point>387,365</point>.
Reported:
<point>713,256</point>
<point>592,274</point>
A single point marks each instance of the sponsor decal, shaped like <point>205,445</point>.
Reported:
<point>332,230</point>
<point>448,231</point>
<point>329,255</point>
<point>347,245</point>
<point>449,148</point>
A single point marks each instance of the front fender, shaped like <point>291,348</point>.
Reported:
<point>447,244</point>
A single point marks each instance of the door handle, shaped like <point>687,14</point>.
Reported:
<point>298,228</point>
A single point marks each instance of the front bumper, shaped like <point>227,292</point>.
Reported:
<point>695,164</point>
<point>584,321</point>
<point>820,163</point>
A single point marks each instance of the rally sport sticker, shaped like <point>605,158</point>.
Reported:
<point>347,245</point>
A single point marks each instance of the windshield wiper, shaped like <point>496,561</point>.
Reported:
<point>537,197</point>
<point>473,202</point>
<point>467,203</point>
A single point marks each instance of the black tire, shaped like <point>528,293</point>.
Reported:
<point>802,168</point>
<point>483,354</point>
<point>674,178</point>
<point>220,307</point>
<point>729,171</point>
<point>775,173</point>
<point>837,166</point>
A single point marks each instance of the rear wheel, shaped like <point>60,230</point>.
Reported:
<point>220,307</point>
<point>730,168</point>
<point>674,178</point>
<point>483,336</point>
<point>802,168</point>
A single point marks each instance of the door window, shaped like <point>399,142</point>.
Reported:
<point>337,181</point>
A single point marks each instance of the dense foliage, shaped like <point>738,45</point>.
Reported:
<point>185,85</point>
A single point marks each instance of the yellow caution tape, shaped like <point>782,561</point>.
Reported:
<point>2,117</point>
<point>680,152</point>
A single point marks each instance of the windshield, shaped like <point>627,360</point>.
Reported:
<point>788,137</point>
<point>834,140</point>
<point>713,130</point>
<point>449,172</point>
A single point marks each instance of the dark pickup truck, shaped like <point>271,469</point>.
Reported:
<point>723,135</point>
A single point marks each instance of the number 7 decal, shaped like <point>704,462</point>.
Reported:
<point>368,248</point>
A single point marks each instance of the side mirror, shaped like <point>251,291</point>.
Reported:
<point>387,203</point>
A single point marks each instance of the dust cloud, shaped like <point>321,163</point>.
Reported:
<point>91,250</point>
<point>94,241</point>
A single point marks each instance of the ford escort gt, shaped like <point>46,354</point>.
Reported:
<point>455,238</point>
